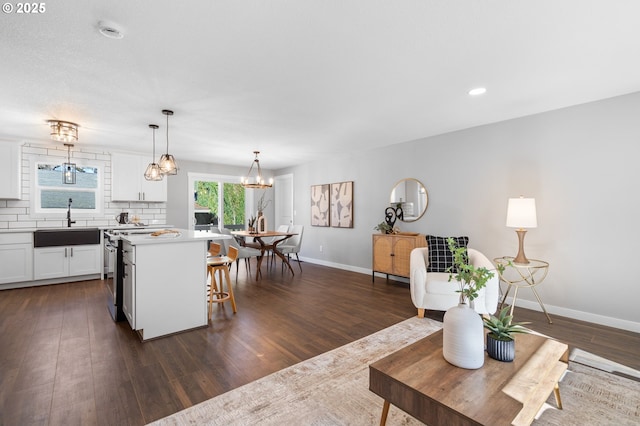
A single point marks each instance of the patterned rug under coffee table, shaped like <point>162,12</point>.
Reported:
<point>333,389</point>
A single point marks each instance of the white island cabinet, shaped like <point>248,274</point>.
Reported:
<point>165,283</point>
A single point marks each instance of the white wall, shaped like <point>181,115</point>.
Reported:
<point>579,163</point>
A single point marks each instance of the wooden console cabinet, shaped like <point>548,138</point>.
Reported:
<point>391,253</point>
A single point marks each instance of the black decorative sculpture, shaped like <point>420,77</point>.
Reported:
<point>392,214</point>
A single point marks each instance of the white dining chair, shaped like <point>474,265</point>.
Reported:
<point>293,244</point>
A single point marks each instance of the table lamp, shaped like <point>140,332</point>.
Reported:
<point>521,214</point>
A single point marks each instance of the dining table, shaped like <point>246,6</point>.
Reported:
<point>264,246</point>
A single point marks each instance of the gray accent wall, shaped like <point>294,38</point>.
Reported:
<point>579,163</point>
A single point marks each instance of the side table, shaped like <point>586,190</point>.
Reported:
<point>521,275</point>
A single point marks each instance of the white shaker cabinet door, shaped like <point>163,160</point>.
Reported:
<point>84,260</point>
<point>10,167</point>
<point>128,182</point>
<point>50,262</point>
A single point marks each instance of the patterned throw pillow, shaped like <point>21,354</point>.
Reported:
<point>440,257</point>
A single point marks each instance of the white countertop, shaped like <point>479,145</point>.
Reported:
<point>182,235</point>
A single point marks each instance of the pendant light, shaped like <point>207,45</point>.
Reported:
<point>153,171</point>
<point>69,168</point>
<point>167,162</point>
<point>257,182</point>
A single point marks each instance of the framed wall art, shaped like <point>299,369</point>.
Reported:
<point>342,205</point>
<point>320,205</point>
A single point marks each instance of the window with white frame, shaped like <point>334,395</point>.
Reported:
<point>52,195</point>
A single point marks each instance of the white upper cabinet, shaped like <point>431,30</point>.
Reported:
<point>128,182</point>
<point>10,168</point>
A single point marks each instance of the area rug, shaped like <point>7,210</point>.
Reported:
<point>333,389</point>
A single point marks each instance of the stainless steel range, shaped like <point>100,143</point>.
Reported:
<point>113,264</point>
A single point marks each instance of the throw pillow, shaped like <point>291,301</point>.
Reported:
<point>440,257</point>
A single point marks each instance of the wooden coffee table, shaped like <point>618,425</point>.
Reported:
<point>418,380</point>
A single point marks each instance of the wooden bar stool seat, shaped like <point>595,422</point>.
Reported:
<point>220,265</point>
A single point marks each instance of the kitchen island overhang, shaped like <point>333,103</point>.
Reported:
<point>165,282</point>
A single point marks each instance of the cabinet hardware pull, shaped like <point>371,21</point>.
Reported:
<point>71,251</point>
<point>65,252</point>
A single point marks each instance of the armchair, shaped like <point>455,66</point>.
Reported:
<point>433,291</point>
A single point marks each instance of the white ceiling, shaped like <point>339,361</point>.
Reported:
<point>301,79</point>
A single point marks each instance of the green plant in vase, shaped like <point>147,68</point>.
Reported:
<point>470,278</point>
<point>463,335</point>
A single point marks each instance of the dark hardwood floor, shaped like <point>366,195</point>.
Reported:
<point>64,361</point>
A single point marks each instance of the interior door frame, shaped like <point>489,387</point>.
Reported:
<point>284,199</point>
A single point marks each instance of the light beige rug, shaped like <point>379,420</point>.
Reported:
<point>333,389</point>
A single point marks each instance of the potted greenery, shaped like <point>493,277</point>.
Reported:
<point>470,278</point>
<point>500,342</point>
<point>463,335</point>
<point>384,227</point>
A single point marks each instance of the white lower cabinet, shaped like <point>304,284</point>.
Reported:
<point>16,257</point>
<point>66,261</point>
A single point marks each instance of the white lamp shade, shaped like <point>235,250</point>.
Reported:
<point>521,213</point>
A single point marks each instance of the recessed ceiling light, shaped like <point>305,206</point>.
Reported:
<point>477,91</point>
<point>110,30</point>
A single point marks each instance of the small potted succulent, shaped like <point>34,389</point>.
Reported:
<point>500,343</point>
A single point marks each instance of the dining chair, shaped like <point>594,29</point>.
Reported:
<point>221,265</point>
<point>245,253</point>
<point>281,228</point>
<point>293,244</point>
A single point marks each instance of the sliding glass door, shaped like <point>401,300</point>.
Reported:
<point>218,202</point>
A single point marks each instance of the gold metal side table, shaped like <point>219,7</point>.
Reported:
<point>520,275</point>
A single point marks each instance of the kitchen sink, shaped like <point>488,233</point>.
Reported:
<point>66,237</point>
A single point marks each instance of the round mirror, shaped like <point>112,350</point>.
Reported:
<point>411,195</point>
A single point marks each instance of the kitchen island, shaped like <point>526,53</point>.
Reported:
<point>164,286</point>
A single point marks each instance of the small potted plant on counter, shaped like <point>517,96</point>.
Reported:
<point>500,343</point>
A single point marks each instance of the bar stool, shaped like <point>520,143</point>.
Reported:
<point>221,264</point>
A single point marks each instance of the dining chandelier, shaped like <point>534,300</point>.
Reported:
<point>257,182</point>
<point>153,171</point>
<point>63,131</point>
<point>167,162</point>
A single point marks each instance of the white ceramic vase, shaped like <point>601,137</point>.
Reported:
<point>463,337</point>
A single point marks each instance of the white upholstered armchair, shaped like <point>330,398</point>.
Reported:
<point>433,291</point>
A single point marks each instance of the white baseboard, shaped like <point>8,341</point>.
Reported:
<point>533,305</point>
<point>578,315</point>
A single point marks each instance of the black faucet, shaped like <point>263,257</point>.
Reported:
<point>69,221</point>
